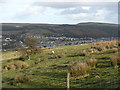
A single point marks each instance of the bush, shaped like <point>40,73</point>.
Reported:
<point>21,79</point>
<point>79,69</point>
<point>92,63</point>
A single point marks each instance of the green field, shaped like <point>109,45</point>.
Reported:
<point>44,71</point>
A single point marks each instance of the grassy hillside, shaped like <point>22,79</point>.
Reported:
<point>47,71</point>
<point>10,55</point>
<point>76,30</point>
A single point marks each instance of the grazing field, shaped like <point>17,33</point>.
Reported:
<point>48,70</point>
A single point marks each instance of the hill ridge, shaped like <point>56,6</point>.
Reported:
<point>89,29</point>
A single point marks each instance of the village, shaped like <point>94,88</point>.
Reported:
<point>53,41</point>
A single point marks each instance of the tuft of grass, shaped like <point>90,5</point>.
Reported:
<point>15,65</point>
<point>10,66</point>
<point>114,50</point>
<point>93,50</point>
<point>60,55</point>
<point>101,46</point>
<point>114,61</point>
<point>39,59</point>
<point>118,58</point>
<point>63,55</point>
<point>92,63</point>
<point>84,53</point>
<point>44,58</point>
<point>79,69</point>
<point>25,65</point>
<point>19,64</point>
<point>21,79</point>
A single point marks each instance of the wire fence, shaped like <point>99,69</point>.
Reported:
<point>94,83</point>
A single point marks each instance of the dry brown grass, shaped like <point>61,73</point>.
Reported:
<point>93,50</point>
<point>21,79</point>
<point>10,55</point>
<point>84,53</point>
<point>92,63</point>
<point>62,55</point>
<point>114,50</point>
<point>44,58</point>
<point>79,69</point>
<point>103,45</point>
<point>25,65</point>
<point>114,61</point>
<point>39,59</point>
<point>119,43</point>
<point>15,65</point>
<point>19,64</point>
<point>10,65</point>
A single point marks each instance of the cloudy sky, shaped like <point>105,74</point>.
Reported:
<point>58,12</point>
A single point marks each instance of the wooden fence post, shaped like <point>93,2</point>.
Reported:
<point>68,80</point>
<point>28,57</point>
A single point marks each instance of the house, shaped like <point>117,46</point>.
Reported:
<point>8,39</point>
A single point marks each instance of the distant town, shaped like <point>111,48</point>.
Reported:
<point>9,43</point>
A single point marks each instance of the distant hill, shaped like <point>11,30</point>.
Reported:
<point>90,29</point>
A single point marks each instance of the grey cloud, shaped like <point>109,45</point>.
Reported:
<point>56,4</point>
<point>110,12</point>
<point>109,6</point>
<point>112,7</point>
<point>63,5</point>
<point>75,11</point>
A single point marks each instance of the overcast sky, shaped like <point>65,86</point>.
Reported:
<point>61,12</point>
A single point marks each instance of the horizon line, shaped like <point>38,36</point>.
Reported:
<point>55,23</point>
